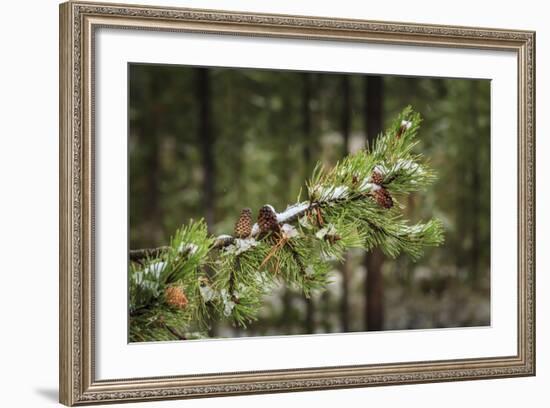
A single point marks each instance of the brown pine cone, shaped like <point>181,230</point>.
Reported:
<point>267,219</point>
<point>377,177</point>
<point>383,198</point>
<point>176,297</point>
<point>243,227</point>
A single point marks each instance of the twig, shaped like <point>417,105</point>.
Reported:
<point>275,248</point>
<point>137,255</point>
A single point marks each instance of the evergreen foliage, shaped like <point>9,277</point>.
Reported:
<point>355,204</point>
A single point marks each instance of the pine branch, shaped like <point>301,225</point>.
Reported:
<point>291,215</point>
<point>352,205</point>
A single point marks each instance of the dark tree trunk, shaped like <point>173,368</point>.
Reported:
<point>346,128</point>
<point>306,154</point>
<point>152,162</point>
<point>374,290</point>
<point>374,284</point>
<point>345,114</point>
<point>206,142</point>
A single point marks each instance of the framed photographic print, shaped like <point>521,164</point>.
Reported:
<point>260,203</point>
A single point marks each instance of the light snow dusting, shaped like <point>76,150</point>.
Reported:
<point>330,229</point>
<point>292,211</point>
<point>241,245</point>
<point>289,231</point>
<point>366,185</point>
<point>408,165</point>
<point>225,236</point>
<point>331,193</point>
<point>155,268</point>
<point>255,229</point>
<point>191,249</point>
<point>380,168</point>
<point>406,124</point>
<point>228,304</point>
<point>207,293</point>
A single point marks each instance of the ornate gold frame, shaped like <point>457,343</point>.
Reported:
<point>78,22</point>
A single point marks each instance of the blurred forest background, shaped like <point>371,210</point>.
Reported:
<point>206,142</point>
